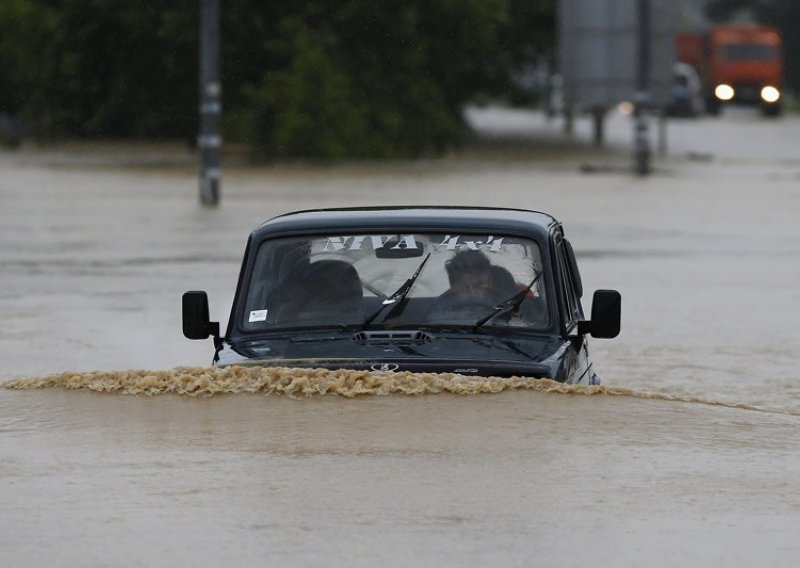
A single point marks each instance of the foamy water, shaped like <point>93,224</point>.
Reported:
<point>292,382</point>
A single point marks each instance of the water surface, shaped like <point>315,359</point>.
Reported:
<point>130,451</point>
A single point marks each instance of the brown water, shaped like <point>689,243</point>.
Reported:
<point>688,454</point>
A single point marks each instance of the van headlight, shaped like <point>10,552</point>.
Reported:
<point>724,92</point>
<point>770,94</point>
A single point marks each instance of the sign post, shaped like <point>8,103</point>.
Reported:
<point>209,140</point>
<point>641,141</point>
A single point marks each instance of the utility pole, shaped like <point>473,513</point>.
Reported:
<point>209,140</point>
<point>641,143</point>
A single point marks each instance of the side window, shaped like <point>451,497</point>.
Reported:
<point>570,308</point>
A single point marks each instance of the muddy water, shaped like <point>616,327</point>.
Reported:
<point>688,454</point>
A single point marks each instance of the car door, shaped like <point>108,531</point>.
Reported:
<point>576,366</point>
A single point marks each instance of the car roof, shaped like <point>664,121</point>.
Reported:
<point>423,218</point>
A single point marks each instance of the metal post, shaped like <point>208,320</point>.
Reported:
<point>662,132</point>
<point>209,140</point>
<point>641,151</point>
<point>598,118</point>
<point>569,119</point>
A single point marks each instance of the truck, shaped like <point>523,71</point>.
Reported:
<point>736,63</point>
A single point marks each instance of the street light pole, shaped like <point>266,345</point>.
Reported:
<point>641,144</point>
<point>209,140</point>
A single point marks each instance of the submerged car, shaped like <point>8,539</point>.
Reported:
<point>474,291</point>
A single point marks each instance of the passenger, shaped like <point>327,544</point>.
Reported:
<point>325,291</point>
<point>503,284</point>
<point>530,310</point>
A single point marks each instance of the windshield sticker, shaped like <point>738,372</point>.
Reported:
<point>394,242</point>
<point>453,242</point>
<point>409,242</point>
<point>258,315</point>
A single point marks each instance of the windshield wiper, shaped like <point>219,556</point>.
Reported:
<point>398,297</point>
<point>512,304</point>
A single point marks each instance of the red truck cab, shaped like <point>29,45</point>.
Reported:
<point>738,63</point>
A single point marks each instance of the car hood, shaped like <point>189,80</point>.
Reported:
<point>484,354</point>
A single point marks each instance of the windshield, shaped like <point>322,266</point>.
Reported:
<point>410,279</point>
<point>748,51</point>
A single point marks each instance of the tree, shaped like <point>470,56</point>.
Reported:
<point>350,78</point>
<point>100,68</point>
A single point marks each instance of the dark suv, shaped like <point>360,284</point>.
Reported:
<point>474,291</point>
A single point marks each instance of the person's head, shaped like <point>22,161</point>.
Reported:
<point>470,274</point>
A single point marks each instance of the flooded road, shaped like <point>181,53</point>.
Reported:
<point>95,257</point>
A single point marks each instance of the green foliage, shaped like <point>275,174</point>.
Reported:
<point>319,78</point>
<point>365,99</point>
<point>100,67</point>
<point>309,108</point>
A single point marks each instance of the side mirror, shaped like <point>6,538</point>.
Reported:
<point>196,324</point>
<point>606,315</point>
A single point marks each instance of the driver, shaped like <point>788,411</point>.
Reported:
<point>470,276</point>
<point>475,285</point>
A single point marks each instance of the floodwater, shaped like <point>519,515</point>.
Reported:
<point>119,448</point>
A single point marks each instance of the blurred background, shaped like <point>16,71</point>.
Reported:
<point>349,79</point>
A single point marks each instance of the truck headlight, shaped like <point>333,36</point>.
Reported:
<point>724,92</point>
<point>770,94</point>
